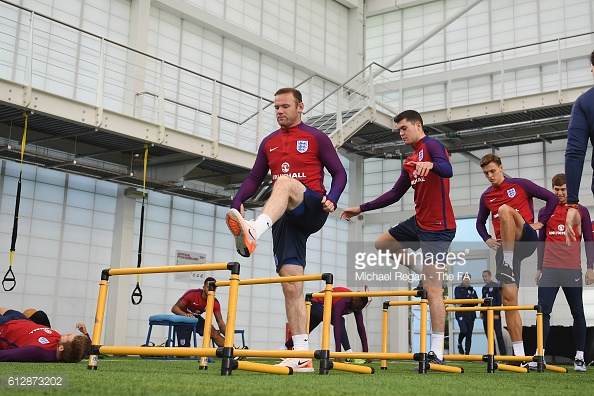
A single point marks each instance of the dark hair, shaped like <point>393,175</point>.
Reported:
<point>359,302</point>
<point>294,91</point>
<point>592,58</point>
<point>411,116</point>
<point>76,349</point>
<point>559,179</point>
<point>210,279</point>
<point>487,271</point>
<point>488,158</point>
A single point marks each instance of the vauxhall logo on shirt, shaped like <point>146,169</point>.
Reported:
<point>560,230</point>
<point>417,179</point>
<point>286,168</point>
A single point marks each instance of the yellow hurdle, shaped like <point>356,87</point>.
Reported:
<point>207,325</point>
<point>490,358</point>
<point>262,368</point>
<point>386,305</point>
<point>97,348</point>
<point>157,351</point>
<point>228,351</point>
<point>421,356</point>
<point>353,368</point>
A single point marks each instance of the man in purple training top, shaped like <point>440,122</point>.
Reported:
<point>296,155</point>
<point>579,131</point>
<point>432,228</point>
<point>510,203</point>
<point>22,340</point>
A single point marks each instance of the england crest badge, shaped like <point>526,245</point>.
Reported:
<point>302,146</point>
<point>511,192</point>
<point>421,155</point>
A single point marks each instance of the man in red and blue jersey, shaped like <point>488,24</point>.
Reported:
<point>22,340</point>
<point>296,155</point>
<point>433,227</point>
<point>559,265</point>
<point>510,203</point>
<point>192,304</point>
<point>341,306</point>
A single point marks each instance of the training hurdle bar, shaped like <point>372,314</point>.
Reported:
<point>422,354</point>
<point>490,358</point>
<point>488,308</point>
<point>539,358</point>
<point>384,355</point>
<point>97,349</point>
<point>323,355</point>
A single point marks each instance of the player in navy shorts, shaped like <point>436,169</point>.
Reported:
<point>296,155</point>
<point>560,265</point>
<point>509,201</point>
<point>432,228</point>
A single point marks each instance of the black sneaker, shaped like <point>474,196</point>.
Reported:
<point>505,274</point>
<point>460,349</point>
<point>240,357</point>
<point>431,359</point>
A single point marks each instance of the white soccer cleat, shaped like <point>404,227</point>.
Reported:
<point>579,366</point>
<point>298,365</point>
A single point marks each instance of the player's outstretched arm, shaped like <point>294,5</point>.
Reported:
<point>351,212</point>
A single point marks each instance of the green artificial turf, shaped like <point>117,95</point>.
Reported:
<point>136,376</point>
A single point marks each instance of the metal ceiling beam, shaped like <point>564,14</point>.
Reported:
<point>426,37</point>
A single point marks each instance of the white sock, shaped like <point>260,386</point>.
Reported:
<point>417,267</point>
<point>300,342</point>
<point>519,348</point>
<point>350,350</point>
<point>437,344</point>
<point>579,355</point>
<point>283,348</point>
<point>263,223</point>
<point>508,257</point>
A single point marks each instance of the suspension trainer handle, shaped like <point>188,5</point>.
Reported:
<point>9,277</point>
<point>136,293</point>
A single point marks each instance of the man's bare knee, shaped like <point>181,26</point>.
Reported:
<point>387,242</point>
<point>505,210</point>
<point>292,290</point>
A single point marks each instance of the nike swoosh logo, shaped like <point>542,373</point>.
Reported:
<point>492,200</point>
<point>578,279</point>
<point>272,149</point>
<point>300,362</point>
